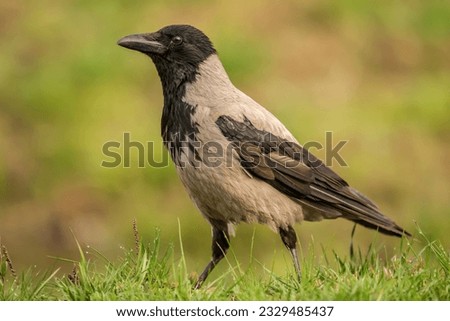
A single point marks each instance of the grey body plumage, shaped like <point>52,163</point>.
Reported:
<point>236,160</point>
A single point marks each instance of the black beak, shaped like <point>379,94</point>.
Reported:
<point>146,43</point>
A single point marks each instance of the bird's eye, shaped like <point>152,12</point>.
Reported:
<point>177,40</point>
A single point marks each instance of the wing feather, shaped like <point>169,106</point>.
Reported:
<point>292,170</point>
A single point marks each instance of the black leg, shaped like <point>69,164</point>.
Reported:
<point>220,246</point>
<point>352,252</point>
<point>289,239</point>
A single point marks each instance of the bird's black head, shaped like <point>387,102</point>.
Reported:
<point>176,50</point>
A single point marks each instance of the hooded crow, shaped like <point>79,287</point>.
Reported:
<point>236,160</point>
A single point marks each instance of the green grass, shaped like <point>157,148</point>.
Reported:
<point>149,273</point>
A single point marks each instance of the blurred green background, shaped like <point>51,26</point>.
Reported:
<point>375,74</point>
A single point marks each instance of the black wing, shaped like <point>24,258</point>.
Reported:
<point>297,173</point>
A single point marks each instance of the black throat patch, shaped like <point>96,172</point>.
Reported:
<point>178,129</point>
